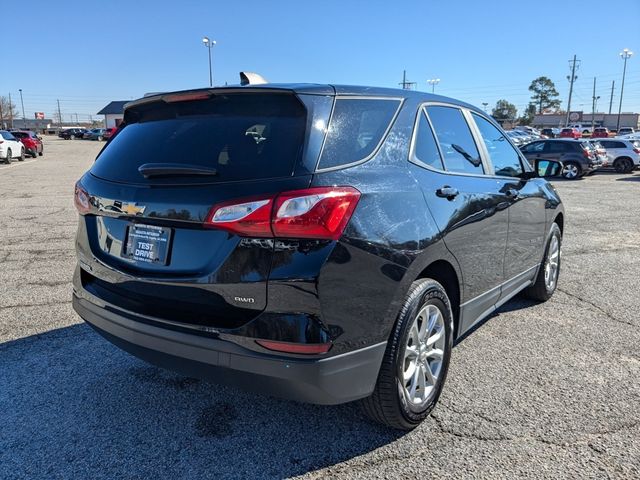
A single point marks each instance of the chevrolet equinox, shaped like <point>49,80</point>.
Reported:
<point>320,243</point>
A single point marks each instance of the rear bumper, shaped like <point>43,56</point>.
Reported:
<point>326,381</point>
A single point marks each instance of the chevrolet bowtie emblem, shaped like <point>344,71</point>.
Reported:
<point>132,209</point>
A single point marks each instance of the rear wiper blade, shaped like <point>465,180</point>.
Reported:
<point>149,170</point>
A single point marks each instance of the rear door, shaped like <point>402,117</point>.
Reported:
<point>153,186</point>
<point>469,207</point>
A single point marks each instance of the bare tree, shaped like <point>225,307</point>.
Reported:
<point>7,110</point>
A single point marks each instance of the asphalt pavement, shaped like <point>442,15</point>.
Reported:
<point>539,391</point>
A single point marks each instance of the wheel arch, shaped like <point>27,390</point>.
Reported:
<point>559,219</point>
<point>445,274</point>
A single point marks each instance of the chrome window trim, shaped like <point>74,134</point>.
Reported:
<point>373,153</point>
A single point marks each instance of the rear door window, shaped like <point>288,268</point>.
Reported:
<point>242,136</point>
<point>558,147</point>
<point>356,129</point>
<point>536,147</point>
<point>456,142</point>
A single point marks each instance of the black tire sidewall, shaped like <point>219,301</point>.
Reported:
<point>433,294</point>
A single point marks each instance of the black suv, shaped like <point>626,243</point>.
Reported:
<point>578,157</point>
<point>70,133</point>
<point>320,243</point>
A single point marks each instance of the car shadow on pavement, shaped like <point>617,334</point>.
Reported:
<point>634,178</point>
<point>75,406</point>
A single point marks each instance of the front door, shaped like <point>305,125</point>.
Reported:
<point>469,207</point>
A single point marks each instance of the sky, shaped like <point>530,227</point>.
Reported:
<point>87,54</point>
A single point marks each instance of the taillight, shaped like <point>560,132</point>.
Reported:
<point>247,217</point>
<point>319,213</point>
<point>81,200</point>
<point>637,150</point>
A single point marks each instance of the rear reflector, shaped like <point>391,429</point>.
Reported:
<point>301,348</point>
<point>319,213</point>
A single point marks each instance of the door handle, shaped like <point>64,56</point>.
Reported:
<point>447,192</point>
<point>512,193</point>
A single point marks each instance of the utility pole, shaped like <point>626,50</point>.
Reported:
<point>406,85</point>
<point>613,85</point>
<point>593,106</point>
<point>571,79</point>
<point>625,55</point>
<point>10,111</point>
<point>24,118</point>
<point>59,115</point>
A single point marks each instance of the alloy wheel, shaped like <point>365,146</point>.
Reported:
<point>552,263</point>
<point>422,356</point>
<point>570,171</point>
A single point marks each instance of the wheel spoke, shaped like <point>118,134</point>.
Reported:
<point>414,383</point>
<point>434,338</point>
<point>422,331</point>
<point>429,374</point>
<point>410,372</point>
<point>422,381</point>
<point>435,353</point>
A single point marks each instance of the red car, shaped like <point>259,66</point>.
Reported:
<point>600,132</point>
<point>108,132</point>
<point>570,133</point>
<point>32,143</point>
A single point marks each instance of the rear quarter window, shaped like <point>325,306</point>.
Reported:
<point>356,129</point>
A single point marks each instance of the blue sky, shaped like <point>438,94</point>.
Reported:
<point>87,54</point>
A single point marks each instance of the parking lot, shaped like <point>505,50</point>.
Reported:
<point>539,391</point>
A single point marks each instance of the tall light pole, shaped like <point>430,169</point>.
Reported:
<point>626,55</point>
<point>485,104</point>
<point>433,82</point>
<point>24,119</point>
<point>209,44</point>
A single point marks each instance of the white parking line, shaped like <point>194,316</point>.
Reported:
<point>15,164</point>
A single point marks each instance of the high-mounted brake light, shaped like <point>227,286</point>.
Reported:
<point>319,213</point>
<point>290,347</point>
<point>186,97</point>
<point>81,200</point>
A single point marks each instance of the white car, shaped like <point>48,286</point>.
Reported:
<point>10,147</point>
<point>623,155</point>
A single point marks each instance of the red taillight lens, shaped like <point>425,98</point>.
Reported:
<point>637,150</point>
<point>314,213</point>
<point>302,348</point>
<point>319,213</point>
<point>81,200</point>
<point>250,217</point>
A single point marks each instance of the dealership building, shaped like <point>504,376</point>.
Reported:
<point>113,113</point>
<point>609,120</point>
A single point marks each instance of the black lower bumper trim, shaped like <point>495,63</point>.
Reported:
<point>328,381</point>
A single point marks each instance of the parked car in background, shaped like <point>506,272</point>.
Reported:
<point>288,270</point>
<point>577,156</point>
<point>585,130</point>
<point>623,155</point>
<point>600,151</point>
<point>516,138</point>
<point>570,132</point>
<point>625,131</point>
<point>108,132</point>
<point>600,132</point>
<point>551,132</point>
<point>10,147</point>
<point>70,133</point>
<point>32,143</point>
<point>95,134</point>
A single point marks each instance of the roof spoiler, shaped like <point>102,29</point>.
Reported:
<point>250,78</point>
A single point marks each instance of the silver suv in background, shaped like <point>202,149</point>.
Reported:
<point>623,155</point>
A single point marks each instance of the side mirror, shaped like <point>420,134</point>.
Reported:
<point>547,168</point>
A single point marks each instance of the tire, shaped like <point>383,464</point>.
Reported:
<point>623,165</point>
<point>542,289</point>
<point>33,153</point>
<point>8,159</point>
<point>571,171</point>
<point>21,157</point>
<point>389,403</point>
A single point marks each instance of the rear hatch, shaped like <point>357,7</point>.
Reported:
<point>153,187</point>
